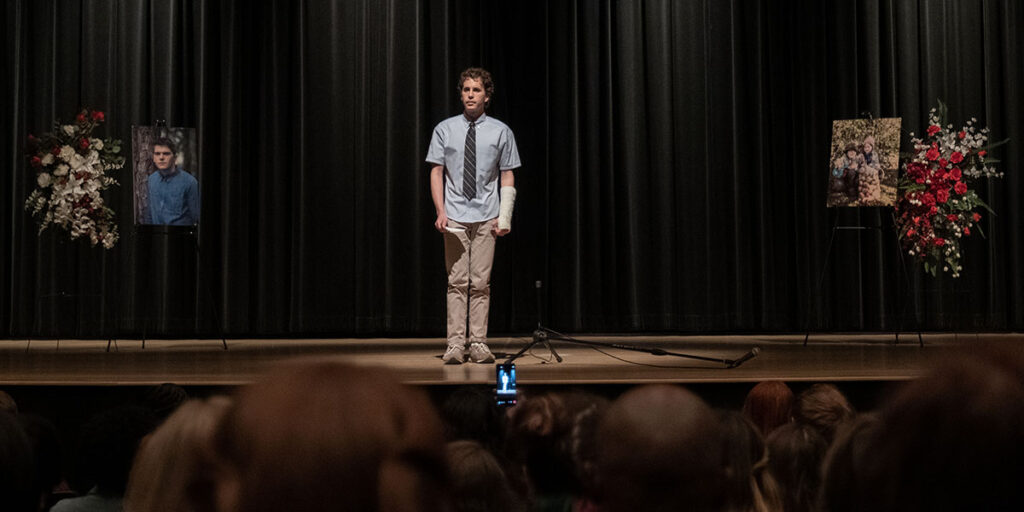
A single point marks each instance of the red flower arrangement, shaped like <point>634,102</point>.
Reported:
<point>936,204</point>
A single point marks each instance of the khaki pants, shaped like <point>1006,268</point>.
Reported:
<point>468,257</point>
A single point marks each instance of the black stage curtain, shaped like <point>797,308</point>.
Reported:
<point>675,157</point>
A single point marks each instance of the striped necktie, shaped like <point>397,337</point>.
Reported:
<point>469,168</point>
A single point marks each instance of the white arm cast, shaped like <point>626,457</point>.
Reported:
<point>506,204</point>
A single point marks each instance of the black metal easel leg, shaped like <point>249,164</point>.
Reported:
<point>821,277</point>
<point>209,295</point>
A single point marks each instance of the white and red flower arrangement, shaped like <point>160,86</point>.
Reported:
<point>71,173</point>
<point>937,206</point>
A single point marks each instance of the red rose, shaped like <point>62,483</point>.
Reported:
<point>916,169</point>
<point>967,231</point>
<point>942,195</point>
<point>98,116</point>
<point>962,134</point>
<point>982,153</point>
<point>956,157</point>
<point>933,211</point>
<point>976,216</point>
<point>910,232</point>
<point>84,143</point>
<point>36,161</point>
<point>943,163</point>
<point>940,242</point>
<point>956,174</point>
<point>928,199</point>
<point>55,151</point>
<point>933,129</point>
<point>917,220</point>
<point>80,117</point>
<point>951,217</point>
<point>960,187</point>
<point>933,153</point>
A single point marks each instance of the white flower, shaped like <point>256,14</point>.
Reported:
<point>96,143</point>
<point>43,180</point>
<point>47,159</point>
<point>69,129</point>
<point>66,152</point>
<point>76,161</point>
<point>62,170</point>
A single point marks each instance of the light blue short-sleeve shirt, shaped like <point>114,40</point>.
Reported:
<point>495,152</point>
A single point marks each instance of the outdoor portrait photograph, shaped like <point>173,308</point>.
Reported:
<point>165,176</point>
<point>864,162</point>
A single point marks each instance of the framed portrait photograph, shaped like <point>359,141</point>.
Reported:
<point>166,179</point>
<point>864,163</point>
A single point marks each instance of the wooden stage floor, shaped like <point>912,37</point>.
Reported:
<point>828,357</point>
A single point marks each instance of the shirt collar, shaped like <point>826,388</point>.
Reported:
<point>170,173</point>
<point>479,120</point>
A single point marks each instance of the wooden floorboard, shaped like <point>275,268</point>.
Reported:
<point>416,360</point>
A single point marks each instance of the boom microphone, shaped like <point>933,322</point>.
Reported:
<point>746,357</point>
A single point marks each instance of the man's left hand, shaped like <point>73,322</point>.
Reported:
<point>499,232</point>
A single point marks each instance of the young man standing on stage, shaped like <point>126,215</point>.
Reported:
<point>473,188</point>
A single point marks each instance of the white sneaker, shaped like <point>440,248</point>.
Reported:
<point>479,353</point>
<point>454,355</point>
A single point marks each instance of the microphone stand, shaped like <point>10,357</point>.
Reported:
<point>544,335</point>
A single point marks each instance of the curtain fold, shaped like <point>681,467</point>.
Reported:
<point>674,163</point>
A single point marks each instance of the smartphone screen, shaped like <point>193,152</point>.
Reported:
<point>505,392</point>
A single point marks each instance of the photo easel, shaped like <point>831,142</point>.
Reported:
<point>816,296</point>
<point>188,234</point>
<point>841,135</point>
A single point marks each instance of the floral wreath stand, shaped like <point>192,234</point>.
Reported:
<point>72,167</point>
<point>63,294</point>
<point>815,298</point>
